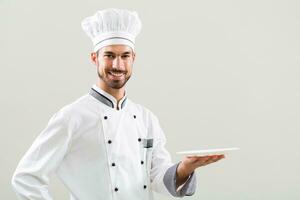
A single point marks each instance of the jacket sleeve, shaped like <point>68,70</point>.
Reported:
<point>31,177</point>
<point>163,171</point>
<point>186,189</point>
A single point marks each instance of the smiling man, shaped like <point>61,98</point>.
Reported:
<point>103,146</point>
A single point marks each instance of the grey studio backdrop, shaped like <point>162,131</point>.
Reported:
<point>216,73</point>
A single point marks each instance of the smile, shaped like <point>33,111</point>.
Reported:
<point>116,74</point>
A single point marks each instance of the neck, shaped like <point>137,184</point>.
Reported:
<point>117,93</point>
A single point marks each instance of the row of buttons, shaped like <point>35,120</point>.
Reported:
<point>114,164</point>
<point>109,141</point>
<point>116,189</point>
<point>105,117</point>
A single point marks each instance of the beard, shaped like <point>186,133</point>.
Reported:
<point>115,84</point>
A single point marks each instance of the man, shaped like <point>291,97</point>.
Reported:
<point>103,145</point>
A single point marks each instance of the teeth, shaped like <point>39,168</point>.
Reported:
<point>116,74</point>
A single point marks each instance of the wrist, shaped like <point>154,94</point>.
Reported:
<point>182,171</point>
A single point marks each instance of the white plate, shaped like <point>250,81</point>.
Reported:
<point>207,151</point>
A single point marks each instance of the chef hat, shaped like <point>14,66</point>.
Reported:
<point>112,26</point>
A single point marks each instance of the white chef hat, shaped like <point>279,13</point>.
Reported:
<point>112,26</point>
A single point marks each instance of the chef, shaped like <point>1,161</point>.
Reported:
<point>103,146</point>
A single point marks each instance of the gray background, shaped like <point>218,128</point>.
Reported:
<point>216,73</point>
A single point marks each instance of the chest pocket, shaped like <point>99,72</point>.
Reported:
<point>148,149</point>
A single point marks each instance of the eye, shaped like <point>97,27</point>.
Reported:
<point>126,56</point>
<point>108,56</point>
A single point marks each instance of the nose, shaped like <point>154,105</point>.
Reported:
<point>117,63</point>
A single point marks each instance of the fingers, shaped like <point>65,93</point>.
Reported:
<point>206,157</point>
<point>198,159</point>
<point>202,161</point>
<point>215,159</point>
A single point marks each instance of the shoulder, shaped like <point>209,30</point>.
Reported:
<point>74,107</point>
<point>72,112</point>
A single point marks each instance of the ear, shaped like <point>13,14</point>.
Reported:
<point>133,56</point>
<point>94,58</point>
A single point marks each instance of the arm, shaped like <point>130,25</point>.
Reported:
<point>31,178</point>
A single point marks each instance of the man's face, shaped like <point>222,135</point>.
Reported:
<point>114,65</point>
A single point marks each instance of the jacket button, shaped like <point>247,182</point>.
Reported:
<point>142,162</point>
<point>109,141</point>
<point>105,117</point>
<point>139,139</point>
<point>145,186</point>
<point>113,164</point>
<point>116,189</point>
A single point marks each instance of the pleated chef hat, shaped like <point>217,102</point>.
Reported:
<point>112,26</point>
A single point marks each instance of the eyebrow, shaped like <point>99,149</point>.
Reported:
<point>110,52</point>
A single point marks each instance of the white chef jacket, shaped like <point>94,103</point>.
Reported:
<point>100,152</point>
